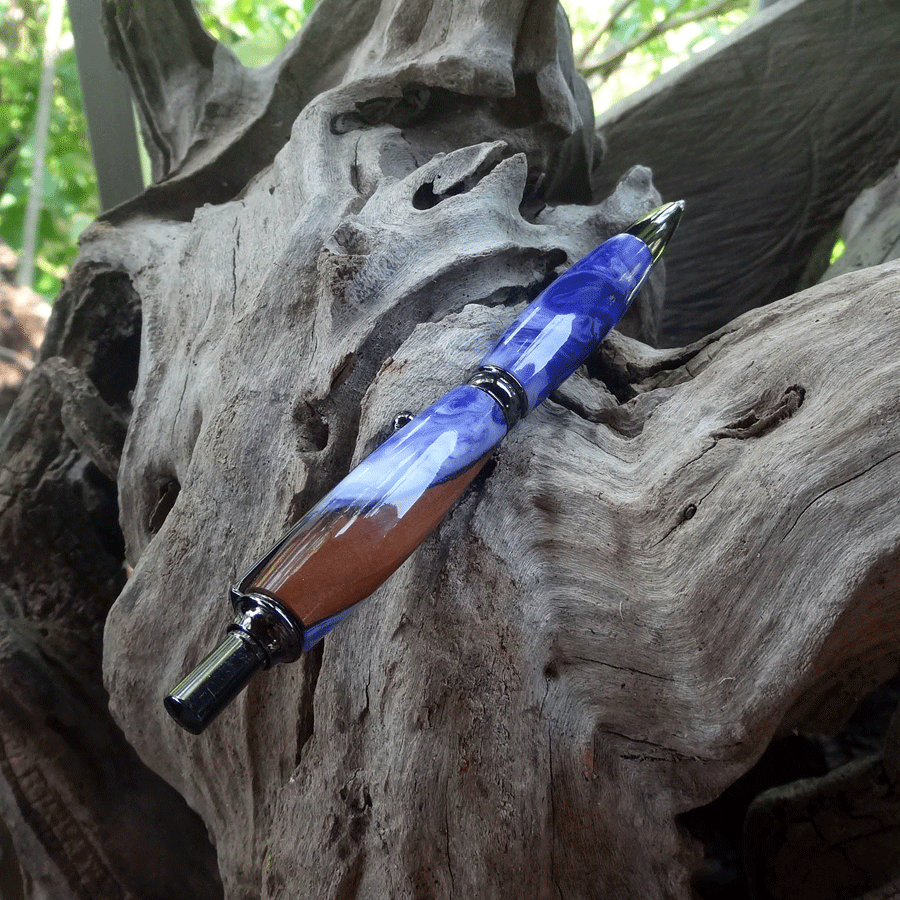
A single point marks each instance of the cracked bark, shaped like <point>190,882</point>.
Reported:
<point>686,550</point>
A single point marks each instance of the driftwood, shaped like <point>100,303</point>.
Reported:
<point>682,556</point>
<point>83,810</point>
<point>769,137</point>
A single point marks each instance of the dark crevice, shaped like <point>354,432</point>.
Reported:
<point>515,294</point>
<point>101,303</point>
<point>767,414</point>
<point>101,501</point>
<point>533,202</point>
<point>599,662</point>
<point>312,425</point>
<point>627,419</point>
<point>478,482</point>
<point>552,798</point>
<point>312,666</point>
<point>720,825</point>
<point>167,495</point>
<point>427,198</point>
<point>621,375</point>
<point>865,730</point>
<point>401,112</point>
<point>616,380</point>
<point>420,104</point>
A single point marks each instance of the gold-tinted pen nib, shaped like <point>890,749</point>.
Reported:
<point>657,227</point>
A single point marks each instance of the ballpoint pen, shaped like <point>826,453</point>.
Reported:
<point>350,542</point>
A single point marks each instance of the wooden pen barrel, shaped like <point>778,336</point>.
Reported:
<point>362,531</point>
<point>368,525</point>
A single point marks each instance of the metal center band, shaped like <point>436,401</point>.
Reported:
<point>509,395</point>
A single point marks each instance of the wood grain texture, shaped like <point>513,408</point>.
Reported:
<point>265,320</point>
<point>325,320</point>
<point>87,818</point>
<point>769,137</point>
<point>581,641</point>
<point>680,556</point>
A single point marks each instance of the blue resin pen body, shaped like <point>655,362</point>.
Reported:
<point>367,526</point>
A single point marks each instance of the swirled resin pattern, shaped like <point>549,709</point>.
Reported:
<point>559,330</point>
<point>365,528</point>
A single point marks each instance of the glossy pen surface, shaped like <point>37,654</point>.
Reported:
<point>353,539</point>
<point>360,532</point>
<point>567,322</point>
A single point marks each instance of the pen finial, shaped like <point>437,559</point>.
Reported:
<point>263,633</point>
<point>657,227</point>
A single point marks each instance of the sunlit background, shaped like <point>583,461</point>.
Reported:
<point>619,47</point>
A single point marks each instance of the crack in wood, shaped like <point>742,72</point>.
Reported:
<point>447,843</point>
<point>765,415</point>
<point>631,669</point>
<point>835,487</point>
<point>553,835</point>
<point>677,754</point>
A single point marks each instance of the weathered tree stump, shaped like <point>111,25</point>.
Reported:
<point>682,556</point>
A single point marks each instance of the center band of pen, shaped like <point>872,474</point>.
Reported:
<point>504,389</point>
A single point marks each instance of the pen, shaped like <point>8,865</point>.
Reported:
<point>350,542</point>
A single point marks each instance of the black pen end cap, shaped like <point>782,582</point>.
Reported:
<point>200,697</point>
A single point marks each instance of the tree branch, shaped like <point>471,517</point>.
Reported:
<point>615,14</point>
<point>16,359</point>
<point>612,60</point>
<point>41,126</point>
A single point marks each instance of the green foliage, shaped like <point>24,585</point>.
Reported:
<point>255,32</point>
<point>622,45</point>
<point>837,251</point>
<point>70,188</point>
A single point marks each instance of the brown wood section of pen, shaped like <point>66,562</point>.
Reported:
<point>343,557</point>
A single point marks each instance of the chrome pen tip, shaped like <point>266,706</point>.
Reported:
<point>657,227</point>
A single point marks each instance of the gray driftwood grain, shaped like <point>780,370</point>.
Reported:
<point>681,556</point>
<point>88,819</point>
